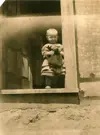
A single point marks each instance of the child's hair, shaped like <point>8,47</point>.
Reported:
<point>52,31</point>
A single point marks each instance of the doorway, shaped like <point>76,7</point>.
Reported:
<point>32,39</point>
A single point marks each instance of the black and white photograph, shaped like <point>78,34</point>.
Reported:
<point>49,67</point>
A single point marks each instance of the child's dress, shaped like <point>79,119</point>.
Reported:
<point>46,69</point>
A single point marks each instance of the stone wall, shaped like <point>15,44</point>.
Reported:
<point>88,33</point>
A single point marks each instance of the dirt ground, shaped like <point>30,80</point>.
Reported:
<point>30,119</point>
<point>51,119</point>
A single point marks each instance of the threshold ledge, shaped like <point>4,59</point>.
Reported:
<point>38,91</point>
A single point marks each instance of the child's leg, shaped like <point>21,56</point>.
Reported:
<point>54,82</point>
<point>48,81</point>
<point>61,81</point>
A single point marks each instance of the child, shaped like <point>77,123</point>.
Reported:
<point>52,69</point>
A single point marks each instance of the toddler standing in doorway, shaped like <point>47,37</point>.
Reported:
<point>53,68</point>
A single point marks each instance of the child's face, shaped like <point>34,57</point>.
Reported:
<point>52,38</point>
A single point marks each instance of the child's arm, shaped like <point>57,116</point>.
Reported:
<point>62,51</point>
<point>46,52</point>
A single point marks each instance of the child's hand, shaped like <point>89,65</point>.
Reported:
<point>54,48</point>
<point>50,53</point>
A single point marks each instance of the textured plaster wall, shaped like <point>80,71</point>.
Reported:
<point>88,33</point>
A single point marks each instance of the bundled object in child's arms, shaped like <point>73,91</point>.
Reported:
<point>56,60</point>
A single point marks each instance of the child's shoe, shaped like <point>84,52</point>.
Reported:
<point>47,87</point>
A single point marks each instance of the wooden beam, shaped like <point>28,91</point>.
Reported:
<point>68,39</point>
<point>1,65</point>
<point>36,91</point>
<point>41,96</point>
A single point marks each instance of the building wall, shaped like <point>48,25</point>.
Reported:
<point>88,33</point>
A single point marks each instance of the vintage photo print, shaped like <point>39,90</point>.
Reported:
<point>49,67</point>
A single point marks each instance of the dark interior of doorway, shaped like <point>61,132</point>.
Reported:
<point>29,7</point>
<point>35,43</point>
<point>18,47</point>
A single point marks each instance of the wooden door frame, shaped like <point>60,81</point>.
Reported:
<point>68,39</point>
